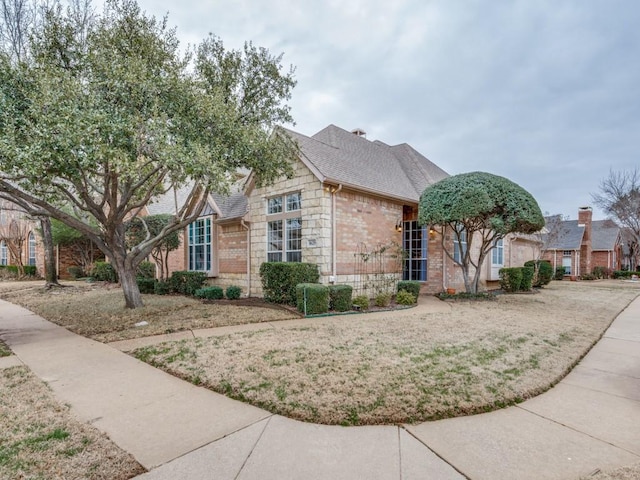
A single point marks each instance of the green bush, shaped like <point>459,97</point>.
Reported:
<point>623,274</point>
<point>510,279</point>
<point>527,278</point>
<point>13,269</point>
<point>588,276</point>
<point>340,298</point>
<point>362,302</point>
<point>146,285</point>
<point>185,282</point>
<point>76,272</point>
<point>279,280</point>
<point>411,286</point>
<point>233,292</point>
<point>104,272</point>
<point>545,272</point>
<point>146,270</point>
<point>30,270</point>
<point>210,293</point>
<point>383,299</point>
<point>559,275</point>
<point>161,288</point>
<point>405,297</point>
<point>601,272</point>
<point>312,298</point>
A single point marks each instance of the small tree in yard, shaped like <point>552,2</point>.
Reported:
<point>107,116</point>
<point>139,227</point>
<point>478,206</point>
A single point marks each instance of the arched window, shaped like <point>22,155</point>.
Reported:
<point>32,249</point>
<point>4,255</point>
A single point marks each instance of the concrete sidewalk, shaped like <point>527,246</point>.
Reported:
<point>590,421</point>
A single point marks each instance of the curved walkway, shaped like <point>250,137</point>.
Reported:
<point>589,421</point>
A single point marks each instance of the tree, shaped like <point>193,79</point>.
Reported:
<point>107,118</point>
<point>478,206</point>
<point>619,198</point>
<point>139,227</point>
<point>83,250</point>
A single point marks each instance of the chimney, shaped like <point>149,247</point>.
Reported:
<point>358,132</point>
<point>584,218</point>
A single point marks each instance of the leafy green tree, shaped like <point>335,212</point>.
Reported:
<point>139,227</point>
<point>479,207</point>
<point>109,116</point>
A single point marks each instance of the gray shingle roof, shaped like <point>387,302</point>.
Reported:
<point>233,206</point>
<point>342,157</point>
<point>568,237</point>
<point>604,234</point>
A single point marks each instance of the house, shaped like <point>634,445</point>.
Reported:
<point>581,245</point>
<point>630,250</point>
<point>351,207</point>
<point>20,242</point>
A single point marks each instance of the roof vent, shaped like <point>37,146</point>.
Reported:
<point>359,132</point>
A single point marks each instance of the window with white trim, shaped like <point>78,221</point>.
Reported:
<point>414,244</point>
<point>32,249</point>
<point>200,245</point>
<point>4,253</point>
<point>459,247</point>
<point>497,253</point>
<point>567,261</point>
<point>284,228</point>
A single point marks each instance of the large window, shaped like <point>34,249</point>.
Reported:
<point>567,261</point>
<point>200,245</point>
<point>497,253</point>
<point>284,228</point>
<point>4,254</point>
<point>460,247</point>
<point>414,244</point>
<point>32,249</point>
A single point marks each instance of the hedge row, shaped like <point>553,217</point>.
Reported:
<point>279,280</point>
<point>545,272</point>
<point>516,279</point>
<point>29,270</point>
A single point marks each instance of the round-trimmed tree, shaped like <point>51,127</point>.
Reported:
<point>477,207</point>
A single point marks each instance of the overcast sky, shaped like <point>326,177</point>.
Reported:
<point>545,93</point>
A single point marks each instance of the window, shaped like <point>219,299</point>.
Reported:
<point>284,228</point>
<point>460,247</point>
<point>32,249</point>
<point>200,245</point>
<point>566,261</point>
<point>4,256</point>
<point>497,254</point>
<point>414,243</point>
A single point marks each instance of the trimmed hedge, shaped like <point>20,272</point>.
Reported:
<point>104,272</point>
<point>146,285</point>
<point>340,297</point>
<point>279,280</point>
<point>146,270</point>
<point>161,288</point>
<point>233,292</point>
<point>186,282</point>
<point>411,286</point>
<point>511,279</point>
<point>559,273</point>
<point>210,293</point>
<point>545,272</point>
<point>527,278</point>
<point>624,274</point>
<point>29,270</point>
<point>312,298</point>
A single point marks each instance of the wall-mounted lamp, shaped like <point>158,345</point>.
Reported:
<point>432,233</point>
<point>399,225</point>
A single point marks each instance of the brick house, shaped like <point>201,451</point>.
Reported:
<point>580,245</point>
<point>19,238</point>
<point>351,207</point>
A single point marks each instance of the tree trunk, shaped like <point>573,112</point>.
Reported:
<point>50,274</point>
<point>127,276</point>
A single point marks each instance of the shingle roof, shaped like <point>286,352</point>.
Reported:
<point>568,236</point>
<point>604,234</point>
<point>342,157</point>
<point>232,206</point>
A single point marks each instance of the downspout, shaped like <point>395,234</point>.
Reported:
<point>334,236</point>
<point>247,228</point>
<point>444,260</point>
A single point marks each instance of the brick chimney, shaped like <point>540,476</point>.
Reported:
<point>584,218</point>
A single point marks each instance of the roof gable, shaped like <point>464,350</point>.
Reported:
<point>604,235</point>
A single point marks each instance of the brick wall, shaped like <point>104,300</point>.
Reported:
<point>232,249</point>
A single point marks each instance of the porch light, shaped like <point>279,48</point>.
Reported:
<point>399,225</point>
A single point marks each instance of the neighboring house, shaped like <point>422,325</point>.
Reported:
<point>580,245</point>
<point>20,242</point>
<point>630,250</point>
<point>351,207</point>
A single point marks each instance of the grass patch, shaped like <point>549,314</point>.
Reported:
<point>40,439</point>
<point>4,350</point>
<point>405,368</point>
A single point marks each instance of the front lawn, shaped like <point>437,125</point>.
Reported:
<point>405,367</point>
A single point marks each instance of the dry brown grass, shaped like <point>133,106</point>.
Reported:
<point>624,473</point>
<point>40,439</point>
<point>97,311</point>
<point>362,369</point>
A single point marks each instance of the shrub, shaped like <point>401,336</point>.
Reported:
<point>30,270</point>
<point>146,270</point>
<point>76,272</point>
<point>545,272</point>
<point>411,286</point>
<point>405,298</point>
<point>362,302</point>
<point>233,292</point>
<point>588,276</point>
<point>383,299</point>
<point>601,272</point>
<point>312,298</point>
<point>511,279</point>
<point>559,275</point>
<point>279,280</point>
<point>104,272</point>
<point>185,282</point>
<point>340,297</point>
<point>146,285</point>
<point>161,288</point>
<point>527,278</point>
<point>210,293</point>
